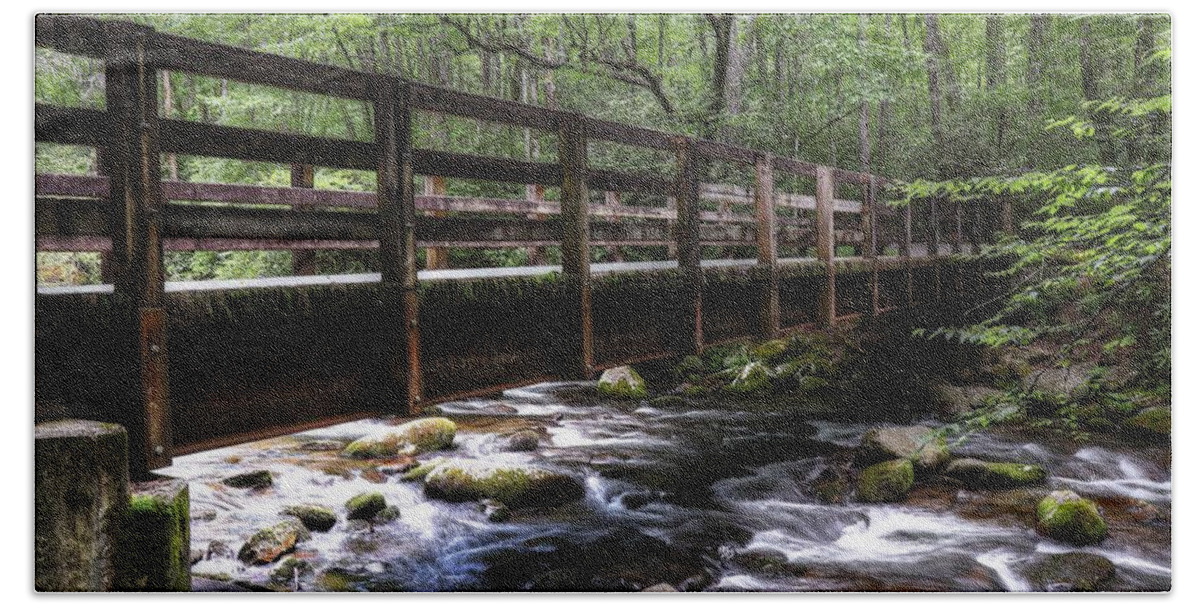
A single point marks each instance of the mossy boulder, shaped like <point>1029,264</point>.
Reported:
<point>314,517</point>
<point>415,437</point>
<point>1065,516</point>
<point>886,481</point>
<point>290,571</point>
<point>419,472</point>
<point>767,561</point>
<point>916,443</point>
<point>255,480</point>
<point>515,486</point>
<point>365,506</point>
<point>982,475</point>
<point>269,544</point>
<point>1152,420</point>
<point>494,510</point>
<point>690,367</point>
<point>154,553</point>
<point>622,383</point>
<point>1072,571</point>
<point>771,351</point>
<point>522,441</point>
<point>753,378</point>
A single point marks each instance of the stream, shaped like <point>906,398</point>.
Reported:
<point>694,497</point>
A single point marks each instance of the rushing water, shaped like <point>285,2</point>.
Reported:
<point>680,496</point>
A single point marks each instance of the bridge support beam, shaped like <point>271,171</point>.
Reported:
<point>397,221</point>
<point>436,258</point>
<point>827,297</point>
<point>933,235</point>
<point>304,261</point>
<point>133,157</point>
<point>576,250</point>
<point>768,252</point>
<point>687,247</point>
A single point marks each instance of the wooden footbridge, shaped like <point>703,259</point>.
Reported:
<point>252,359</point>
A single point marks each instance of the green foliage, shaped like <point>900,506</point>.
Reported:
<point>1090,270</point>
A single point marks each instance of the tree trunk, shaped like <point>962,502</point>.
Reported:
<point>885,110</point>
<point>1089,72</point>
<point>722,26</point>
<point>864,113</point>
<point>935,94</point>
<point>996,78</point>
<point>168,113</point>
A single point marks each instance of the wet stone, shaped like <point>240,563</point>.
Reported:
<point>253,480</point>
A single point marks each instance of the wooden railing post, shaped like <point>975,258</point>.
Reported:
<point>687,246</point>
<point>436,258</point>
<point>870,231</point>
<point>536,193</point>
<point>1006,216</point>
<point>576,251</point>
<point>827,297</point>
<point>304,261</point>
<point>933,247</point>
<point>108,268</point>
<point>768,251</point>
<point>613,199</point>
<point>397,221</point>
<point>131,91</point>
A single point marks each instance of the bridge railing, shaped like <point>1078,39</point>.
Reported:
<point>133,215</point>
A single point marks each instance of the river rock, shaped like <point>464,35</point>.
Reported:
<point>622,383</point>
<point>767,561</point>
<point>290,571</point>
<point>154,553</point>
<point>365,506</point>
<point>1068,381</point>
<point>416,437</point>
<point>915,443</point>
<point>1073,571</point>
<point>660,588</point>
<point>494,510</point>
<point>388,514</point>
<point>1152,420</point>
<point>268,544</point>
<point>256,480</point>
<point>514,485</point>
<point>771,351</point>
<point>523,441</point>
<point>419,472</point>
<point>886,482</point>
<point>81,494</point>
<point>314,517</point>
<point>952,401</point>
<point>1064,516</point>
<point>752,378</point>
<point>982,475</point>
<point>322,445</point>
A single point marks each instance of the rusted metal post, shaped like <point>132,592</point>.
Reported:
<point>827,297</point>
<point>768,251</point>
<point>687,246</point>
<point>131,92</point>
<point>397,220</point>
<point>576,251</point>
<point>304,261</point>
<point>436,258</point>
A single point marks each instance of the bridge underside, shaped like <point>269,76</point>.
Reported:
<point>260,361</point>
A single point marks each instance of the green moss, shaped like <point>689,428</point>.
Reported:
<point>980,475</point>
<point>886,482</point>
<point>771,351</point>
<point>154,547</point>
<point>419,472</point>
<point>253,479</point>
<point>365,506</point>
<point>1156,420</point>
<point>753,378</point>
<point>517,487</point>
<point>622,383</point>
<point>1066,517</point>
<point>314,517</point>
<point>418,436</point>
